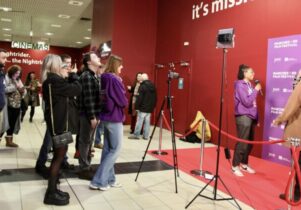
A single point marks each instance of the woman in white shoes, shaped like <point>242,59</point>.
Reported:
<point>246,116</point>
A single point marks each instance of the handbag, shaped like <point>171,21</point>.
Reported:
<point>65,138</point>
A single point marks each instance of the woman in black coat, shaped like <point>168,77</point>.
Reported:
<point>54,76</point>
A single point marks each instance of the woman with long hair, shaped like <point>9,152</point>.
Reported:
<point>112,116</point>
<point>14,90</point>
<point>246,116</point>
<point>54,79</point>
<point>32,85</point>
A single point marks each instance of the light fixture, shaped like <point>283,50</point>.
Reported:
<point>49,33</point>
<point>64,16</point>
<point>41,42</point>
<point>89,29</point>
<point>75,3</point>
<point>87,38</point>
<point>5,9</point>
<point>78,42</point>
<point>6,29</point>
<point>8,40</point>
<point>7,35</point>
<point>31,32</point>
<point>56,26</point>
<point>5,20</point>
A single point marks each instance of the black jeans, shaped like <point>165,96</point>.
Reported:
<point>245,127</point>
<point>13,115</point>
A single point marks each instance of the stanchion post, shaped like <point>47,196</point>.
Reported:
<point>201,172</point>
<point>160,152</point>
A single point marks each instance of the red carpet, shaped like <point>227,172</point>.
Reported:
<point>260,190</point>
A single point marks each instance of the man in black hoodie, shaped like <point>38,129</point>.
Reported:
<point>3,57</point>
<point>145,104</point>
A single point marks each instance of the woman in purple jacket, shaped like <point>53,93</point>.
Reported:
<point>112,116</point>
<point>246,117</point>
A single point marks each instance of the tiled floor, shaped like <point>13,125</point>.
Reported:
<point>153,190</point>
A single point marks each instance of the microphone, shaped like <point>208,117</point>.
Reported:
<point>258,82</point>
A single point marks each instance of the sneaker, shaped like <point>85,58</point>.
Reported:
<point>145,138</point>
<point>247,168</point>
<point>237,171</point>
<point>93,187</point>
<point>104,188</point>
<point>116,185</point>
<point>133,137</point>
<point>98,146</point>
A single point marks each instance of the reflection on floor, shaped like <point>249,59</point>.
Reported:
<point>22,189</point>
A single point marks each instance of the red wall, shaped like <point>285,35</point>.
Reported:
<point>254,23</point>
<point>39,56</point>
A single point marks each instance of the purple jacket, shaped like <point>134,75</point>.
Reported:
<point>114,100</point>
<point>245,99</point>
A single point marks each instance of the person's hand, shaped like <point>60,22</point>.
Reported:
<point>129,87</point>
<point>258,87</point>
<point>276,122</point>
<point>93,123</point>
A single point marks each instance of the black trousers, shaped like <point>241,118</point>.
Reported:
<point>245,127</point>
<point>13,114</point>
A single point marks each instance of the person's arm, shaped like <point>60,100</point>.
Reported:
<point>117,93</point>
<point>139,98</point>
<point>292,106</point>
<point>87,88</point>
<point>9,86</point>
<point>68,89</point>
<point>246,99</point>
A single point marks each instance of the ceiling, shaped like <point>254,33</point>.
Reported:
<point>42,17</point>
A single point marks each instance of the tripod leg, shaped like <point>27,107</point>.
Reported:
<point>229,193</point>
<point>151,137</point>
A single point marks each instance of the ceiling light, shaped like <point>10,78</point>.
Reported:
<point>7,35</point>
<point>75,3</point>
<point>6,9</point>
<point>64,16</point>
<point>55,26</point>
<point>89,29</point>
<point>6,29</point>
<point>86,37</point>
<point>8,40</point>
<point>41,42</point>
<point>30,33</point>
<point>78,42</point>
<point>49,34</point>
<point>5,20</point>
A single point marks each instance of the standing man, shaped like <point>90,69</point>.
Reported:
<point>3,59</point>
<point>90,108</point>
<point>145,104</point>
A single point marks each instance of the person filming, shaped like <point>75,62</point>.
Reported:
<point>246,117</point>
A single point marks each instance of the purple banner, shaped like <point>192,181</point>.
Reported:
<point>284,61</point>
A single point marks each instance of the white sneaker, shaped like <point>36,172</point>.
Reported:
<point>104,188</point>
<point>116,185</point>
<point>247,168</point>
<point>93,187</point>
<point>236,171</point>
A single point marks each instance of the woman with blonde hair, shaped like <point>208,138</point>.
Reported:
<point>57,89</point>
<point>112,116</point>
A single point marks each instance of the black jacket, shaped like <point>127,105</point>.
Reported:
<point>147,97</point>
<point>61,89</point>
<point>2,87</point>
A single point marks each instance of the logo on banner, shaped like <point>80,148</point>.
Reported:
<point>29,45</point>
<point>204,9</point>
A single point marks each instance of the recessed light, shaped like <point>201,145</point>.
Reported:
<point>7,35</point>
<point>44,39</point>
<point>64,16</point>
<point>49,34</point>
<point>55,26</point>
<point>41,42</point>
<point>31,33</point>
<point>5,20</point>
<point>8,40</point>
<point>78,42</point>
<point>86,37</point>
<point>89,29</point>
<point>6,29</point>
<point>75,3</point>
<point>6,9</point>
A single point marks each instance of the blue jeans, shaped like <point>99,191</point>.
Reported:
<point>113,135</point>
<point>99,132</point>
<point>142,117</point>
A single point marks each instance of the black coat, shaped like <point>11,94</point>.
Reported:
<point>147,97</point>
<point>61,89</point>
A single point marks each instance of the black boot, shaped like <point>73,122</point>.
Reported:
<point>55,198</point>
<point>64,194</point>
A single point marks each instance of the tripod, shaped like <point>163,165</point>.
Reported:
<point>217,177</point>
<point>174,148</point>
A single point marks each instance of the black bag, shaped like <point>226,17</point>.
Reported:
<point>64,138</point>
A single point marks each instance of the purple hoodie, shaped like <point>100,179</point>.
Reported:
<point>245,99</point>
<point>114,99</point>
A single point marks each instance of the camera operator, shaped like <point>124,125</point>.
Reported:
<point>145,104</point>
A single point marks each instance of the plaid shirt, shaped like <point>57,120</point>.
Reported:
<point>89,99</point>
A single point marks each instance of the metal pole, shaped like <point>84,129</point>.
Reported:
<point>201,172</point>
<point>159,152</point>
